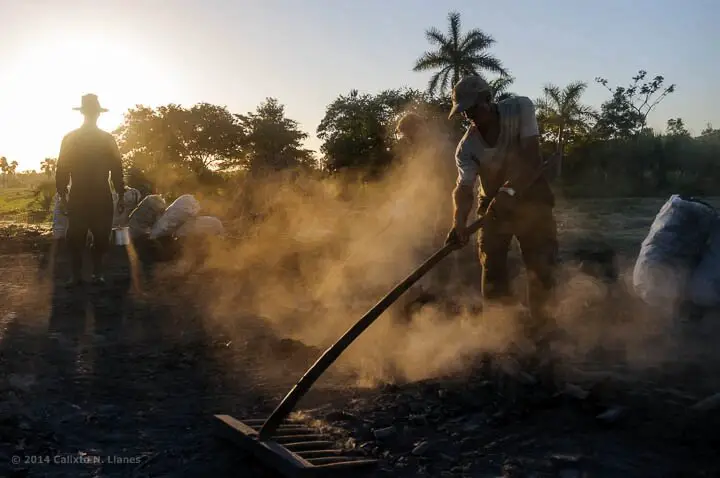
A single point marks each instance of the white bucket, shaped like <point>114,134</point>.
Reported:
<point>120,236</point>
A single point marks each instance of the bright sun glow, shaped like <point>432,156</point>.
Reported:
<point>46,80</point>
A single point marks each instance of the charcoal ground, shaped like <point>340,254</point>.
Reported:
<point>137,376</point>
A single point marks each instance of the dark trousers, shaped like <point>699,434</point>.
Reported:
<point>89,214</point>
<point>533,224</point>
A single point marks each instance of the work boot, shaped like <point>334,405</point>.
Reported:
<point>97,269</point>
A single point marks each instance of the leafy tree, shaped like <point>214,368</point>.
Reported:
<point>197,140</point>
<point>214,137</point>
<point>7,169</point>
<point>4,167</point>
<point>48,166</point>
<point>562,116</point>
<point>676,127</point>
<point>500,88</point>
<point>625,114</point>
<point>137,179</point>
<point>44,194</point>
<point>358,130</point>
<point>457,55</point>
<point>675,142</point>
<point>710,133</point>
<point>272,141</point>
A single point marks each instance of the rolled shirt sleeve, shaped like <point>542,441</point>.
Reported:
<point>528,119</point>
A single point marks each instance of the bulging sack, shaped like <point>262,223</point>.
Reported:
<point>132,199</point>
<point>201,226</point>
<point>182,209</point>
<point>671,250</point>
<point>145,215</point>
<point>60,219</point>
<point>704,288</point>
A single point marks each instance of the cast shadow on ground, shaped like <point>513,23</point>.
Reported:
<point>150,373</point>
<point>120,373</point>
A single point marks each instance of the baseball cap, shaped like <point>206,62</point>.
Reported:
<point>465,93</point>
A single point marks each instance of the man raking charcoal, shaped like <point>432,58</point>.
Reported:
<point>501,143</point>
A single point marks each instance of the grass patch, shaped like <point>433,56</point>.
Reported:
<point>16,200</point>
<point>621,222</point>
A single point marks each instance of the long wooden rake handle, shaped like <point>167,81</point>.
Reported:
<point>333,352</point>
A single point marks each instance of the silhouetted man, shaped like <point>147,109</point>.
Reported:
<point>501,147</point>
<point>87,155</point>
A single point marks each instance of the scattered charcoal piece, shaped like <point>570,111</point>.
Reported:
<point>386,432</point>
<point>421,448</point>
<point>340,416</point>
<point>708,403</point>
<point>575,391</point>
<point>612,415</point>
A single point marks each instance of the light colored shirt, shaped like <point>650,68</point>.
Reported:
<point>475,159</point>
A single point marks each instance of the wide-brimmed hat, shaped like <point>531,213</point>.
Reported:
<point>90,104</point>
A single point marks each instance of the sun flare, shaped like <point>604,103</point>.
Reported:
<point>46,80</point>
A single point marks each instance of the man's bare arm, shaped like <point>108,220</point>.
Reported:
<point>463,198</point>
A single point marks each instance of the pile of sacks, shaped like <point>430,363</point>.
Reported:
<point>60,219</point>
<point>679,260</point>
<point>153,219</point>
<point>132,198</point>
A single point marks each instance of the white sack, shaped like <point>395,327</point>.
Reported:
<point>182,209</point>
<point>132,199</point>
<point>671,250</point>
<point>60,219</point>
<point>145,215</point>
<point>704,288</point>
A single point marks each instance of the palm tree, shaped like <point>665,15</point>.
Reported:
<point>500,86</point>
<point>48,166</point>
<point>457,55</point>
<point>4,165</point>
<point>561,113</point>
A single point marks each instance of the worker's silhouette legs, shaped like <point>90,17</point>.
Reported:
<point>95,215</point>
<point>101,227</point>
<point>76,237</point>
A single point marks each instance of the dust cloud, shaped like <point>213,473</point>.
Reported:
<point>313,254</point>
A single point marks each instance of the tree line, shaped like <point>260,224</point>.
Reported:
<point>608,151</point>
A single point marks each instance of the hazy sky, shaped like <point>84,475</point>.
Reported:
<point>306,52</point>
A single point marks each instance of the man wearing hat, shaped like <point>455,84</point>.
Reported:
<point>501,147</point>
<point>87,155</point>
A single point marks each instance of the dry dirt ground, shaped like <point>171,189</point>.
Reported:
<point>134,376</point>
